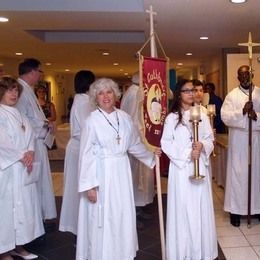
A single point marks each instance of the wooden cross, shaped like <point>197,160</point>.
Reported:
<point>152,42</point>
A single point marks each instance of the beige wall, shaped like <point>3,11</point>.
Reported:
<point>61,84</point>
<point>61,88</point>
<point>234,61</point>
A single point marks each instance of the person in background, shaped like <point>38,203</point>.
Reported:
<point>107,218</point>
<point>190,228</point>
<point>48,107</point>
<point>69,105</point>
<point>198,95</point>
<point>20,212</point>
<point>217,101</point>
<point>143,177</point>
<point>235,111</point>
<point>29,75</point>
<point>80,110</point>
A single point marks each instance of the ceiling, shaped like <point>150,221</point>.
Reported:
<point>73,34</point>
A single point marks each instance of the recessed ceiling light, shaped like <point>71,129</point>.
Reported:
<point>179,63</point>
<point>67,70</point>
<point>188,53</point>
<point>121,70</point>
<point>204,37</point>
<point>19,53</point>
<point>48,64</point>
<point>126,73</point>
<point>115,63</point>
<point>105,53</point>
<point>3,19</point>
<point>238,1</point>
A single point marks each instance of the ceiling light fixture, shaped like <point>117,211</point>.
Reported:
<point>179,63</point>
<point>67,70</point>
<point>204,37</point>
<point>238,1</point>
<point>48,64</point>
<point>188,53</point>
<point>115,63</point>
<point>18,53</point>
<point>3,19</point>
<point>105,53</point>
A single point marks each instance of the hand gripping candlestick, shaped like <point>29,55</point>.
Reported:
<point>212,113</point>
<point>195,119</point>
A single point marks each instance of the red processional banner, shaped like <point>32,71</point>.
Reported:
<point>154,80</point>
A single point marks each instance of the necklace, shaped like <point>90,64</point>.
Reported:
<point>118,138</point>
<point>20,121</point>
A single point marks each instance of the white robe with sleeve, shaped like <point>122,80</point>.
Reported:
<point>81,108</point>
<point>190,228</point>
<point>143,177</point>
<point>28,105</point>
<point>107,228</point>
<point>236,188</point>
<point>20,214</point>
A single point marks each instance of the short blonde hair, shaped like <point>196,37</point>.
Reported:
<point>101,84</point>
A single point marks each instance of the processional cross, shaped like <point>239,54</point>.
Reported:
<point>250,46</point>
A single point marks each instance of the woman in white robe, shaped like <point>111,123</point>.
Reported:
<point>107,220</point>
<point>190,230</point>
<point>81,108</point>
<point>20,213</point>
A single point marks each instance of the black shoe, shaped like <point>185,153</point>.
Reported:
<point>49,226</point>
<point>235,220</point>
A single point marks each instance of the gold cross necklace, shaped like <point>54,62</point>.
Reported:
<point>118,138</point>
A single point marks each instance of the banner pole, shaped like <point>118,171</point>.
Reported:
<point>160,209</point>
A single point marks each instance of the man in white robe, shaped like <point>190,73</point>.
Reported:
<point>143,177</point>
<point>20,213</point>
<point>234,113</point>
<point>29,75</point>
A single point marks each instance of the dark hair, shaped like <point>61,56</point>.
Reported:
<point>176,103</point>
<point>211,86</point>
<point>7,82</point>
<point>82,81</point>
<point>196,82</point>
<point>28,65</point>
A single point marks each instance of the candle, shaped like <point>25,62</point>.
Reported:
<point>211,109</point>
<point>195,113</point>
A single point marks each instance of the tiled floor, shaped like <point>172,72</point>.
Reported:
<point>241,243</point>
<point>237,243</point>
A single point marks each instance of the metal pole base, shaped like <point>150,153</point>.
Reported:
<point>196,178</point>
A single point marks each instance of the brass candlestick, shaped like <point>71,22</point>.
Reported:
<point>211,113</point>
<point>195,119</point>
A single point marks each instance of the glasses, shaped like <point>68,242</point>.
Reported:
<point>188,91</point>
<point>39,70</point>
